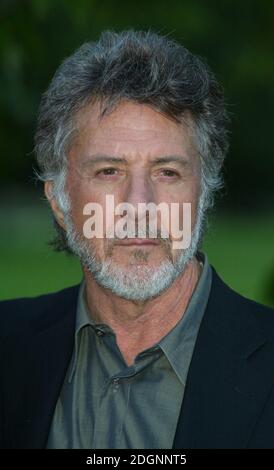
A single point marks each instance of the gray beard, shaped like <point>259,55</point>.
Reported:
<point>138,282</point>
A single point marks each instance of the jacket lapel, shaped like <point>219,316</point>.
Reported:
<point>228,380</point>
<point>46,355</point>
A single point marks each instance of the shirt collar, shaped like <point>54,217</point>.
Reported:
<point>179,342</point>
<point>83,319</point>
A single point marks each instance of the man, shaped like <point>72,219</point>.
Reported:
<point>152,349</point>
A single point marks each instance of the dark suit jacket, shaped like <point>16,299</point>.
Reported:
<point>229,395</point>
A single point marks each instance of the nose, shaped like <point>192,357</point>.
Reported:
<point>139,190</point>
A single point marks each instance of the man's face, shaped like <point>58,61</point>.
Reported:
<point>139,137</point>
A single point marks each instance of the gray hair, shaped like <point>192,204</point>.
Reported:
<point>143,67</point>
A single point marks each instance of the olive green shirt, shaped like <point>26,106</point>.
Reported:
<point>106,404</point>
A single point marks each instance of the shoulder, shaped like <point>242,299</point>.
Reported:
<point>240,307</point>
<point>31,312</point>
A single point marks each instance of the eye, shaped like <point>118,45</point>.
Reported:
<point>107,171</point>
<point>170,173</point>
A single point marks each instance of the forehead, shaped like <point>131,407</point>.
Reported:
<point>131,128</point>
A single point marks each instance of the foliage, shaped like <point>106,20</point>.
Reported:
<point>235,37</point>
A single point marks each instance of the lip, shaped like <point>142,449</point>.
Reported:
<point>137,241</point>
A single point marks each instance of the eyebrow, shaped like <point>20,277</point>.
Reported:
<point>104,158</point>
<point>179,159</point>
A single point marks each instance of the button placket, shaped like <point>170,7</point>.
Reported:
<point>115,383</point>
<point>99,332</point>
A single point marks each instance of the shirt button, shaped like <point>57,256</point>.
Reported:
<point>115,381</point>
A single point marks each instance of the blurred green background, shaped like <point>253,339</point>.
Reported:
<point>236,39</point>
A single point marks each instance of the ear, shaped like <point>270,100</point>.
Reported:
<point>59,216</point>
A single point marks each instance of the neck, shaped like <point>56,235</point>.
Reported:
<point>139,325</point>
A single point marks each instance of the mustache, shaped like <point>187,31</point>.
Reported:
<point>154,235</point>
<point>166,242</point>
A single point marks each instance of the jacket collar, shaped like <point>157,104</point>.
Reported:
<point>46,355</point>
<point>228,380</point>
